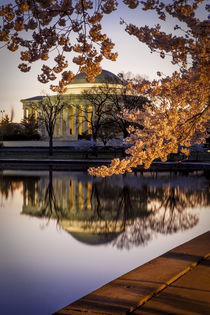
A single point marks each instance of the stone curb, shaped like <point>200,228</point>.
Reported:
<point>124,294</point>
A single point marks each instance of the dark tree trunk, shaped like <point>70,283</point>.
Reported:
<point>125,133</point>
<point>50,189</point>
<point>50,145</point>
<point>94,135</point>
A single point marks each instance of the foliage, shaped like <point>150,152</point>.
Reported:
<point>180,110</point>
<point>4,121</point>
<point>53,24</point>
<point>26,130</point>
<point>12,132</point>
<point>180,113</point>
<point>31,127</point>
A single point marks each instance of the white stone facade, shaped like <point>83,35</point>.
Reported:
<point>70,122</point>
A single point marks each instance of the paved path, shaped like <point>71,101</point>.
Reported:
<point>177,282</point>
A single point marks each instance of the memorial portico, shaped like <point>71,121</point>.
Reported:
<point>75,117</point>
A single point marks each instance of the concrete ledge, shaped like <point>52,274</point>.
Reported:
<point>124,295</point>
<point>189,294</point>
<point>87,162</point>
<point>36,143</point>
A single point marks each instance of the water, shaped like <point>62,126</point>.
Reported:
<point>64,234</point>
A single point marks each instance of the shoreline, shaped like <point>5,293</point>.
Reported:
<point>84,164</point>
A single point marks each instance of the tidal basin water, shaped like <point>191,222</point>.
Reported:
<point>64,234</point>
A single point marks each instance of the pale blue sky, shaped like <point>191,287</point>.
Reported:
<point>133,56</point>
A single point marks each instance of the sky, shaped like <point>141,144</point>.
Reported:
<point>133,56</point>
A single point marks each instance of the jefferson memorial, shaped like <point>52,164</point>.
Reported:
<point>71,121</point>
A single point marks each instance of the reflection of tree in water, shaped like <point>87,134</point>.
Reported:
<point>9,186</point>
<point>169,212</point>
<point>115,207</point>
<point>9,183</point>
<point>50,207</point>
<point>168,209</point>
<point>143,212</point>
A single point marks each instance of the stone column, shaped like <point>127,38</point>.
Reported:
<point>63,117</point>
<point>75,121</point>
<point>59,125</point>
<point>71,119</point>
<point>26,112</point>
<point>89,114</point>
<point>67,121</point>
<point>85,117</point>
<point>30,111</point>
<point>80,120</point>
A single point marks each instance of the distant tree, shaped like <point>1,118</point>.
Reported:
<point>48,110</point>
<point>10,130</point>
<point>5,120</point>
<point>31,127</point>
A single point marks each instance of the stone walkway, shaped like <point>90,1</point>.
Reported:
<point>177,282</point>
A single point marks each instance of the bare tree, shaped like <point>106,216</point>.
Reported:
<point>97,112</point>
<point>48,110</point>
<point>108,103</point>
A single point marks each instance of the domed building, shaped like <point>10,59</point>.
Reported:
<point>74,120</point>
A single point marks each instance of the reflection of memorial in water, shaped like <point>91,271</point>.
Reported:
<point>127,210</point>
<point>10,183</point>
<point>82,207</point>
<point>70,195</point>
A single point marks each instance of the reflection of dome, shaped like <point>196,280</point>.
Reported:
<point>93,239</point>
<point>104,77</point>
<point>89,234</point>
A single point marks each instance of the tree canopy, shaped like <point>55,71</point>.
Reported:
<point>180,111</point>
